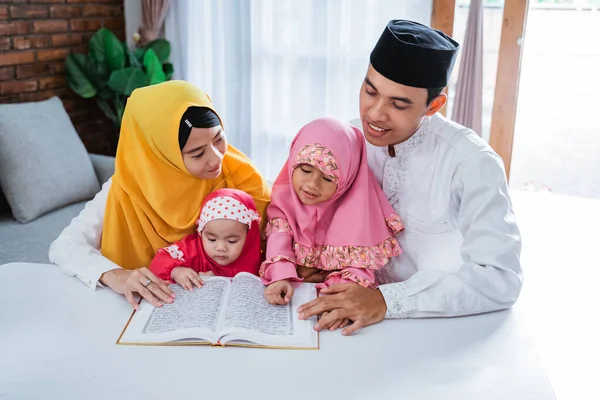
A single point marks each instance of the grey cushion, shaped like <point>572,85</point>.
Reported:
<point>4,207</point>
<point>30,242</point>
<point>43,163</point>
<point>104,166</point>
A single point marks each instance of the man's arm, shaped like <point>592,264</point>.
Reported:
<point>490,277</point>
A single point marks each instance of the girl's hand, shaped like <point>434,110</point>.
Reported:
<point>187,278</point>
<point>279,292</point>
<point>311,275</point>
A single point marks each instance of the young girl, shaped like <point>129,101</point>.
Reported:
<point>227,242</point>
<point>327,212</point>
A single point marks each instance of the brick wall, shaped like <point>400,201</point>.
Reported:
<point>35,38</point>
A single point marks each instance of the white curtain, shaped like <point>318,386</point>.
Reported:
<point>210,47</point>
<point>271,66</point>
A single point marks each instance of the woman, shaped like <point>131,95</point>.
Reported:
<point>172,153</point>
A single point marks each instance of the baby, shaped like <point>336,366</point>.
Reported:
<point>227,242</point>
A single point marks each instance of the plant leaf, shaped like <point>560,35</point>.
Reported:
<point>105,93</point>
<point>139,54</point>
<point>127,80</point>
<point>162,49</point>
<point>106,50</point>
<point>154,70</point>
<point>105,107</point>
<point>120,107</point>
<point>76,77</point>
<point>96,71</point>
<point>168,70</point>
<point>133,60</point>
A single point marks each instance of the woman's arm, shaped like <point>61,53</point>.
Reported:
<point>77,249</point>
<point>77,252</point>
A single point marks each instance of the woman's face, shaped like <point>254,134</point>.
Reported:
<point>203,153</point>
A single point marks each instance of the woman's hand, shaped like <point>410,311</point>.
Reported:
<point>187,278</point>
<point>279,292</point>
<point>142,281</point>
<point>311,275</point>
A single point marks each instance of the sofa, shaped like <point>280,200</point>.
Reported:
<point>30,242</point>
<point>46,177</point>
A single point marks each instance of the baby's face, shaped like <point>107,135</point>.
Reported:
<point>311,185</point>
<point>223,240</point>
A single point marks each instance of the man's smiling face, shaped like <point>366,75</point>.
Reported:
<point>390,112</point>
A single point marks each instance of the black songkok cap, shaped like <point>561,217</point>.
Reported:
<point>413,54</point>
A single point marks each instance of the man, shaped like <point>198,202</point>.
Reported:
<point>461,242</point>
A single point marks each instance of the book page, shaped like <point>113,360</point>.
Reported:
<point>198,308</point>
<point>193,315</point>
<point>248,309</point>
<point>250,319</point>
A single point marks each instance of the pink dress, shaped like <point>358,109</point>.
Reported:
<point>352,234</point>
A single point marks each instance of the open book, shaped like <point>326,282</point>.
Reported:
<point>224,311</point>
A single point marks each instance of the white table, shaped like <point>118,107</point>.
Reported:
<point>57,340</point>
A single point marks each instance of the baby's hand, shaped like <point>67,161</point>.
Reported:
<point>279,292</point>
<point>336,324</point>
<point>187,278</point>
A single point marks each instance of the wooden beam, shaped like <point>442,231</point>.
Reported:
<point>507,79</point>
<point>442,18</point>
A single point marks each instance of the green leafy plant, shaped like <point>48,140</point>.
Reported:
<point>111,71</point>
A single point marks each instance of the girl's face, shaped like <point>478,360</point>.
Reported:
<point>311,185</point>
<point>223,240</point>
<point>204,151</point>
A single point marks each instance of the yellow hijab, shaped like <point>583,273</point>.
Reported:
<point>153,199</point>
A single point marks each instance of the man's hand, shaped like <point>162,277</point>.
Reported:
<point>312,275</point>
<point>363,306</point>
<point>142,281</point>
<point>336,324</point>
<point>279,292</point>
<point>187,278</point>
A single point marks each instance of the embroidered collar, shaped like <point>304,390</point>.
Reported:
<point>416,139</point>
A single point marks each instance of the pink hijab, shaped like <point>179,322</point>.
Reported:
<point>356,214</point>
